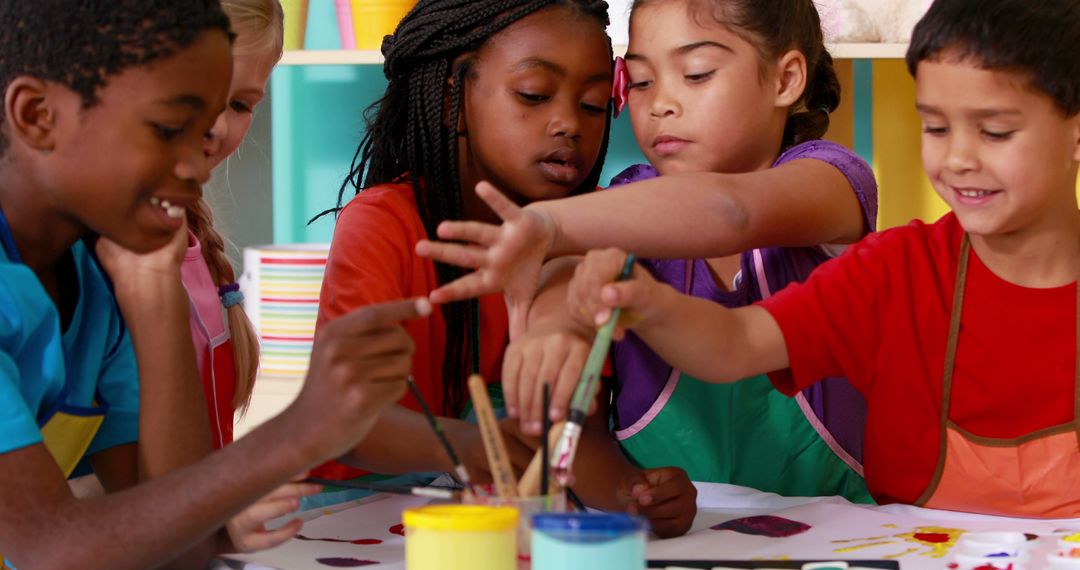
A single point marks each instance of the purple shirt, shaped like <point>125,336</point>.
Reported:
<point>642,374</point>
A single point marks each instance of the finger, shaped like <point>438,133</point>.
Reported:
<point>384,315</point>
<point>470,286</point>
<point>510,378</point>
<point>477,233</point>
<point>264,510</point>
<point>270,538</point>
<point>498,202</point>
<point>527,382</point>
<point>469,256</point>
<point>551,365</point>
<point>568,381</point>
<point>293,490</point>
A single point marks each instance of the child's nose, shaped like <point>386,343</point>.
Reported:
<point>663,103</point>
<point>216,136</point>
<point>961,155</point>
<point>565,123</point>
<point>194,167</point>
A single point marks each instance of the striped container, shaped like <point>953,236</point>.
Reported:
<point>281,285</point>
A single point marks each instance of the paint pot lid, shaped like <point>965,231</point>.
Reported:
<point>588,527</point>
<point>461,518</point>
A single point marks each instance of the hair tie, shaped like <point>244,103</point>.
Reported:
<point>620,86</point>
<point>230,295</point>
<point>825,109</point>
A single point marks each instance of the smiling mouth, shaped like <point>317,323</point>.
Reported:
<point>974,193</point>
<point>171,210</point>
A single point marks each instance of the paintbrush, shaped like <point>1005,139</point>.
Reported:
<point>563,457</point>
<point>545,448</point>
<point>431,492</point>
<point>459,469</point>
<point>529,484</point>
<point>498,458</point>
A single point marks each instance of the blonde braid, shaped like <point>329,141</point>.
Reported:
<point>245,342</point>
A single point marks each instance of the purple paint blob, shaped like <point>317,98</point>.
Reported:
<point>360,541</point>
<point>345,562</point>
<point>766,525</point>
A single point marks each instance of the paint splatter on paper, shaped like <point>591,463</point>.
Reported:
<point>398,529</point>
<point>360,541</point>
<point>931,541</point>
<point>339,562</point>
<point>766,525</point>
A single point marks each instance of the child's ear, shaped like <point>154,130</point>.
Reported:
<point>30,113</point>
<point>790,78</point>
<point>1076,137</point>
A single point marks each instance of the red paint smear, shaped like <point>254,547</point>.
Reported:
<point>992,567</point>
<point>932,537</point>
<point>361,541</point>
<point>953,565</point>
<point>398,529</point>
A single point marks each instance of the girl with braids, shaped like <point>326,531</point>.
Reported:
<point>728,100</point>
<point>96,361</point>
<point>512,91</point>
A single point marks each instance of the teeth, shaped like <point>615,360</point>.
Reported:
<point>172,211</point>
<point>973,193</point>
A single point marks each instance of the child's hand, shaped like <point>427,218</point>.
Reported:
<point>124,266</point>
<point>506,257</point>
<point>664,495</point>
<point>247,530</point>
<point>537,358</point>
<point>359,363</point>
<point>594,292</point>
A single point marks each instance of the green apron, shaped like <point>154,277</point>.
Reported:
<point>745,433</point>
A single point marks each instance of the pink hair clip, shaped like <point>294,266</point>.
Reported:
<point>620,87</point>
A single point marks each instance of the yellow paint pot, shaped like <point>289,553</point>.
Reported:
<point>461,537</point>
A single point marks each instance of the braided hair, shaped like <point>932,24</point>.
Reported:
<point>81,43</point>
<point>407,135</point>
<point>774,27</point>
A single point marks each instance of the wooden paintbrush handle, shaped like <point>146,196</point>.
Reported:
<point>498,458</point>
<point>529,485</point>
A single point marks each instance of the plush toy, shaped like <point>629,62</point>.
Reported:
<point>864,21</point>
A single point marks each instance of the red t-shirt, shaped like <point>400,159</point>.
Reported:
<point>879,315</point>
<point>372,260</point>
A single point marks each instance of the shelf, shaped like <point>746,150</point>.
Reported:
<point>371,57</point>
<point>332,57</point>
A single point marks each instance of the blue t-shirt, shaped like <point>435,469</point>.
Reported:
<point>90,364</point>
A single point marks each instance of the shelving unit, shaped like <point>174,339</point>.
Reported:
<point>370,57</point>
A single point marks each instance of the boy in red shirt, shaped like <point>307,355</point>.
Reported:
<point>961,334</point>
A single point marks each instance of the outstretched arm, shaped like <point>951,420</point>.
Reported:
<point>800,203</point>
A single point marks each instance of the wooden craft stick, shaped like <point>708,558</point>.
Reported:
<point>498,458</point>
<point>529,486</point>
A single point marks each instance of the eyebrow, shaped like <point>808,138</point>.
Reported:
<point>193,101</point>
<point>683,50</point>
<point>556,69</point>
<point>976,113</point>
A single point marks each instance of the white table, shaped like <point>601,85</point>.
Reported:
<point>839,530</point>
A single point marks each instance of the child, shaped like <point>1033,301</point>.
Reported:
<point>512,90</point>
<point>745,89</point>
<point>962,334</point>
<point>143,80</point>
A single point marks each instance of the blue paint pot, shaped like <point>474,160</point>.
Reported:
<point>588,541</point>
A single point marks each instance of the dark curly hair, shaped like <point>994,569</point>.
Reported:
<point>406,134</point>
<point>81,43</point>
<point>1040,40</point>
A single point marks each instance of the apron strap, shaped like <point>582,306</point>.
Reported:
<point>947,373</point>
